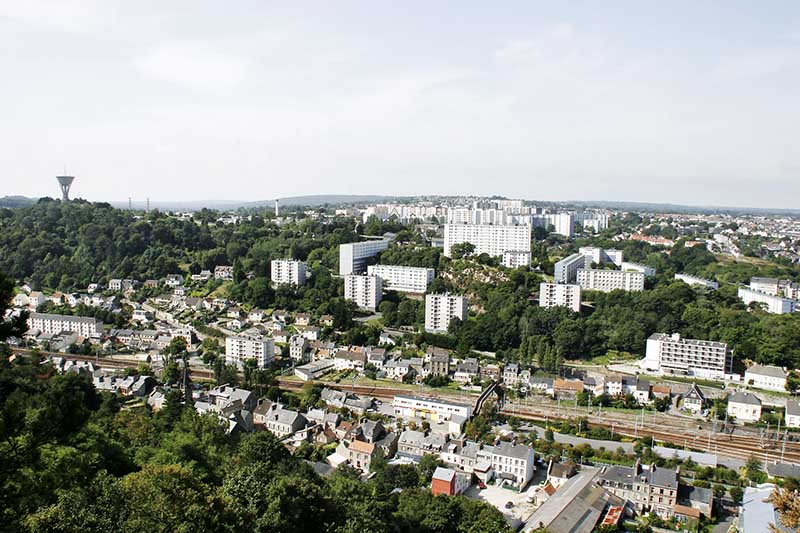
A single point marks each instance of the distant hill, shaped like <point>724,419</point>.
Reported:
<point>310,200</point>
<point>678,208</point>
<point>17,201</point>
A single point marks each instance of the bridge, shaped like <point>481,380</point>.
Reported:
<point>493,388</point>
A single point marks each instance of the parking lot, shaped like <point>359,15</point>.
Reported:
<point>499,497</point>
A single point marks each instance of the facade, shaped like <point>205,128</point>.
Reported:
<point>792,414</point>
<point>655,488</point>
<point>440,365</point>
<point>776,287</point>
<point>601,256</point>
<point>746,407</point>
<point>694,400</point>
<point>609,280</point>
<point>353,256</point>
<point>767,377</point>
<point>514,462</point>
<point>53,324</point>
<point>364,290</point>
<point>242,347</point>
<point>514,259</point>
<point>493,240</point>
<point>441,308</point>
<point>566,270</point>
<point>314,370</point>
<point>556,294</point>
<point>282,422</point>
<point>694,280</point>
<point>298,349</point>
<point>670,354</point>
<point>288,271</point>
<point>448,481</point>
<point>774,304</point>
<point>429,408</point>
<point>403,278</point>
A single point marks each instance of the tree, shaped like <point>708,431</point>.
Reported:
<point>462,250</point>
<point>736,494</point>
<point>16,326</point>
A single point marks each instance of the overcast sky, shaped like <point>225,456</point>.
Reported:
<point>685,102</point>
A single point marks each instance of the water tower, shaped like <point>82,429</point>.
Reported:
<point>65,182</point>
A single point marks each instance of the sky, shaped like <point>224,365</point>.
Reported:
<point>681,102</point>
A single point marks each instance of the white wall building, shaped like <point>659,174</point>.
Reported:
<point>609,280</point>
<point>353,256</point>
<point>566,270</point>
<point>441,308</point>
<point>557,294</point>
<point>364,290</point>
<point>403,278</point>
<point>792,414</point>
<point>694,280</point>
<point>53,324</point>
<point>638,267</point>
<point>239,348</point>
<point>513,259</point>
<point>744,406</point>
<point>429,408</point>
<point>774,304</point>
<point>288,271</point>
<point>767,377</point>
<point>489,239</point>
<point>601,256</point>
<point>670,354</point>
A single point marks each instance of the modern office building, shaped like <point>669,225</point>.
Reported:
<point>670,354</point>
<point>694,280</point>
<point>353,256</point>
<point>240,348</point>
<point>494,240</point>
<point>403,278</point>
<point>774,304</point>
<point>566,270</point>
<point>364,290</point>
<point>609,280</point>
<point>559,294</point>
<point>440,309</point>
<point>288,271</point>
<point>50,324</point>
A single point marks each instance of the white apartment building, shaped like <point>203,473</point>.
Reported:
<point>601,256</point>
<point>776,287</point>
<point>515,461</point>
<point>563,223</point>
<point>441,308</point>
<point>609,280</point>
<point>364,290</point>
<point>494,240</point>
<point>403,278</point>
<point>353,256</point>
<point>774,304</point>
<point>51,324</point>
<point>512,259</point>
<point>566,270</point>
<point>767,377</point>
<point>694,280</point>
<point>431,409</point>
<point>670,354</point>
<point>638,267</point>
<point>557,294</point>
<point>288,271</point>
<point>240,348</point>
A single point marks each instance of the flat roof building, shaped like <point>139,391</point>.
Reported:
<point>403,278</point>
<point>353,256</point>
<point>670,354</point>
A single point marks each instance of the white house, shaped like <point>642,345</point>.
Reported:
<point>745,406</point>
<point>767,377</point>
<point>792,414</point>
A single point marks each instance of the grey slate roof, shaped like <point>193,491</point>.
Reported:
<point>745,398</point>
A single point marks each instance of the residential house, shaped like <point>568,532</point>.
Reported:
<point>744,407</point>
<point>767,377</point>
<point>326,321</point>
<point>567,388</point>
<point>311,333</point>
<point>298,349</point>
<point>514,462</point>
<point>694,400</point>
<point>302,319</point>
<point>792,414</point>
<point>397,369</point>
<point>448,481</point>
<point>559,473</point>
<point>282,422</point>
<point>415,444</point>
<point>467,370</point>
<point>347,360</point>
<point>653,488</point>
<point>281,336</point>
<point>511,374</point>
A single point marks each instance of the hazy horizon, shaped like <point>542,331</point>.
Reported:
<point>680,103</point>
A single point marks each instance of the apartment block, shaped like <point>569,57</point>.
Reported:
<point>694,280</point>
<point>403,278</point>
<point>493,240</point>
<point>557,294</point>
<point>601,256</point>
<point>240,348</point>
<point>353,256</point>
<point>364,290</point>
<point>670,354</point>
<point>431,409</point>
<point>776,287</point>
<point>441,308</point>
<point>51,324</point>
<point>288,271</point>
<point>566,270</point>
<point>774,304</point>
<point>609,280</point>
